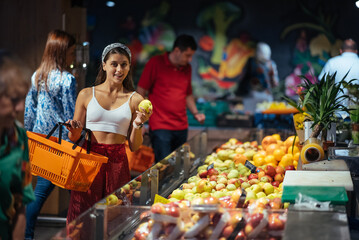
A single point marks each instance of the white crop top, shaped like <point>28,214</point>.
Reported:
<point>114,121</point>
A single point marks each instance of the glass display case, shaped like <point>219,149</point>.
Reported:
<point>132,213</point>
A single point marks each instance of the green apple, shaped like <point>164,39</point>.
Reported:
<point>260,195</point>
<point>229,164</point>
<point>240,150</point>
<point>220,186</point>
<point>194,179</point>
<point>223,154</point>
<point>233,174</point>
<point>251,195</point>
<point>205,194</point>
<point>145,105</point>
<point>218,194</point>
<point>231,187</point>
<point>222,180</point>
<point>268,188</point>
<point>111,199</point>
<point>245,185</point>
<point>177,193</point>
<point>189,196</point>
<point>256,188</point>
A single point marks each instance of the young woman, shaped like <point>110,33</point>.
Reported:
<point>15,176</point>
<point>110,110</point>
<point>51,99</point>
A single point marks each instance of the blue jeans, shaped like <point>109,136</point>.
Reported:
<point>42,191</point>
<point>165,142</point>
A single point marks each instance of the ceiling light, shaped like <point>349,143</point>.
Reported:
<point>357,3</point>
<point>110,3</point>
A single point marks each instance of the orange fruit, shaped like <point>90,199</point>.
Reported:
<point>295,164</point>
<point>276,136</point>
<point>278,154</point>
<point>259,161</point>
<point>259,154</point>
<point>289,141</point>
<point>293,150</point>
<point>239,158</point>
<point>280,143</point>
<point>267,140</point>
<point>286,160</point>
<point>270,149</point>
<point>296,156</point>
<point>270,159</point>
<point>273,164</point>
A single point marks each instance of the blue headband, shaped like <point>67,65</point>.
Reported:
<point>112,46</point>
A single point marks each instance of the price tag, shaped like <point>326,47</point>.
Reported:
<point>210,166</point>
<point>250,166</point>
<point>160,199</point>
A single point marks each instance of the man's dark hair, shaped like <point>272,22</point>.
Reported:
<point>185,41</point>
<point>349,45</point>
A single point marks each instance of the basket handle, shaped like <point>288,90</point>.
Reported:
<point>88,132</point>
<point>59,124</point>
<point>79,141</point>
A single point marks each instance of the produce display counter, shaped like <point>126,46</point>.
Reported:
<point>135,208</point>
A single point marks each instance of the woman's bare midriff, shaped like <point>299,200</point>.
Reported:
<point>107,138</point>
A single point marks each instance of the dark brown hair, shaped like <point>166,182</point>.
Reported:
<point>101,76</point>
<point>54,57</point>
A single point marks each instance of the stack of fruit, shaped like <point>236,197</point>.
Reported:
<point>180,221</point>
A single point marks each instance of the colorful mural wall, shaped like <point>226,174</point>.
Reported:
<point>302,37</point>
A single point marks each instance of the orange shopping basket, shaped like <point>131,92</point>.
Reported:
<point>65,164</point>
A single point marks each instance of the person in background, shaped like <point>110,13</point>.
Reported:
<point>259,77</point>
<point>15,175</point>
<point>346,63</point>
<point>110,111</point>
<point>166,80</point>
<point>51,99</point>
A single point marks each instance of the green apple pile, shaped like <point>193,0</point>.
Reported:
<point>221,175</point>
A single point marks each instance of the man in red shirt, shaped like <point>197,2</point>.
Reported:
<point>166,79</point>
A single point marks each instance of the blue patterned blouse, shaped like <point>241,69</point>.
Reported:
<point>44,109</point>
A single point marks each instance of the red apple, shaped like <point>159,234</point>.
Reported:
<point>269,170</point>
<point>274,222</point>
<point>279,169</point>
<point>275,183</point>
<point>211,200</point>
<point>266,178</point>
<point>158,208</point>
<point>203,174</point>
<point>172,211</point>
<point>227,231</point>
<point>212,171</point>
<point>213,178</point>
<point>234,181</point>
<point>274,205</point>
<point>255,219</point>
<point>279,177</point>
<point>252,176</point>
<point>261,174</point>
<point>289,168</point>
<point>241,236</point>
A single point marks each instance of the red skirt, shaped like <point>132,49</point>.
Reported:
<point>112,175</point>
